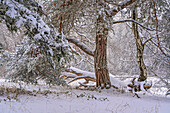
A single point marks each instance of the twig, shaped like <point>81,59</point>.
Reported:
<point>131,20</point>
<point>158,77</point>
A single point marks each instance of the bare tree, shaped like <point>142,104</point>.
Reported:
<point>140,48</point>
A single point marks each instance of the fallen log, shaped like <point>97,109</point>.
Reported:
<point>77,74</point>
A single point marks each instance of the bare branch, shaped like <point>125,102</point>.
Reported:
<point>87,78</point>
<point>167,84</point>
<point>147,41</point>
<point>156,22</point>
<point>160,48</point>
<point>131,20</point>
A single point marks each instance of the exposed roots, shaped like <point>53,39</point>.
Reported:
<point>168,92</point>
<point>136,86</point>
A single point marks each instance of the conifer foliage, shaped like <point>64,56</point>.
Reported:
<point>43,52</point>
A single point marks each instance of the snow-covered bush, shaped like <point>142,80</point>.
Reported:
<point>43,53</point>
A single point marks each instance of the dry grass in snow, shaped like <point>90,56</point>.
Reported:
<point>22,98</point>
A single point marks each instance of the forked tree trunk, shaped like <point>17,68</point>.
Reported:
<point>140,49</point>
<point>100,55</point>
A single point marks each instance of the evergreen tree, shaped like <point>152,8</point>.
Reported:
<point>43,53</point>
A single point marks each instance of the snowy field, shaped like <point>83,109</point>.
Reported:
<point>67,100</point>
<point>101,103</point>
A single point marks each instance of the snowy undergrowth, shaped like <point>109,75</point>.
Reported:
<point>157,88</point>
<point>43,98</point>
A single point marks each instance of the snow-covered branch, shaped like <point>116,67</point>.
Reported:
<point>42,43</point>
<point>81,46</point>
<point>25,14</point>
<point>122,5</point>
<point>78,74</point>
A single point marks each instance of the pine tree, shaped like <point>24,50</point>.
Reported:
<point>43,53</point>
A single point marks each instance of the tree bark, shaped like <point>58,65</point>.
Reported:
<point>140,49</point>
<point>100,55</point>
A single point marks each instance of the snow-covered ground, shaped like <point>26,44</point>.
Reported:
<point>67,100</point>
<point>101,103</point>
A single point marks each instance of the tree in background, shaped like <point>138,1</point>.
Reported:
<point>102,13</point>
<point>74,18</point>
<point>150,14</point>
<point>140,48</point>
<point>155,14</point>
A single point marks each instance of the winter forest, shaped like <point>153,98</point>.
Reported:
<point>84,56</point>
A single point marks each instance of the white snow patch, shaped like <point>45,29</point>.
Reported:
<point>83,101</point>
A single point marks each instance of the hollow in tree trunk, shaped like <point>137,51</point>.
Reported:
<point>100,55</point>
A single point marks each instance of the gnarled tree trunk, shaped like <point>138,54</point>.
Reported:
<point>140,49</point>
<point>100,55</point>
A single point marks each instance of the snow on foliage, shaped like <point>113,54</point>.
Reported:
<point>42,41</point>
